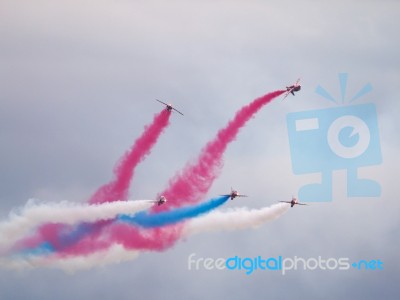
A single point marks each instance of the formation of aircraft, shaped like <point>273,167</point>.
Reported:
<point>293,202</point>
<point>293,88</point>
<point>234,194</point>
<point>169,107</point>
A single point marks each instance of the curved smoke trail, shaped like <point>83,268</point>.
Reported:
<point>118,188</point>
<point>152,220</point>
<point>192,183</point>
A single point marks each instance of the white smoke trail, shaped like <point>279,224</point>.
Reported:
<point>27,218</point>
<point>235,219</point>
<point>115,254</point>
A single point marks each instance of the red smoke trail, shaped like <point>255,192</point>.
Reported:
<point>118,189</point>
<point>188,186</point>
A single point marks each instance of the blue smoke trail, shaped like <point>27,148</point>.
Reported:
<point>43,249</point>
<point>144,219</point>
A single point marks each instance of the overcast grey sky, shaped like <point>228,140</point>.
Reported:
<point>78,81</point>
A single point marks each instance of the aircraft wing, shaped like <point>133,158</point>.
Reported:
<point>301,203</point>
<point>287,93</point>
<point>241,196</point>
<point>162,102</point>
<point>286,201</point>
<point>177,111</point>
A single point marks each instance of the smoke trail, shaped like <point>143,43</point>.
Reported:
<point>239,218</point>
<point>25,219</point>
<point>112,255</point>
<point>144,219</point>
<point>118,188</point>
<point>192,184</point>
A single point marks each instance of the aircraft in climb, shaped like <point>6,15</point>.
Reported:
<point>293,202</point>
<point>169,107</point>
<point>293,88</point>
<point>160,200</point>
<point>234,194</point>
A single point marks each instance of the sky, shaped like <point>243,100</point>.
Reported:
<point>78,83</point>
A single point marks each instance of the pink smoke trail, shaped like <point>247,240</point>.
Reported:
<point>118,188</point>
<point>188,186</point>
